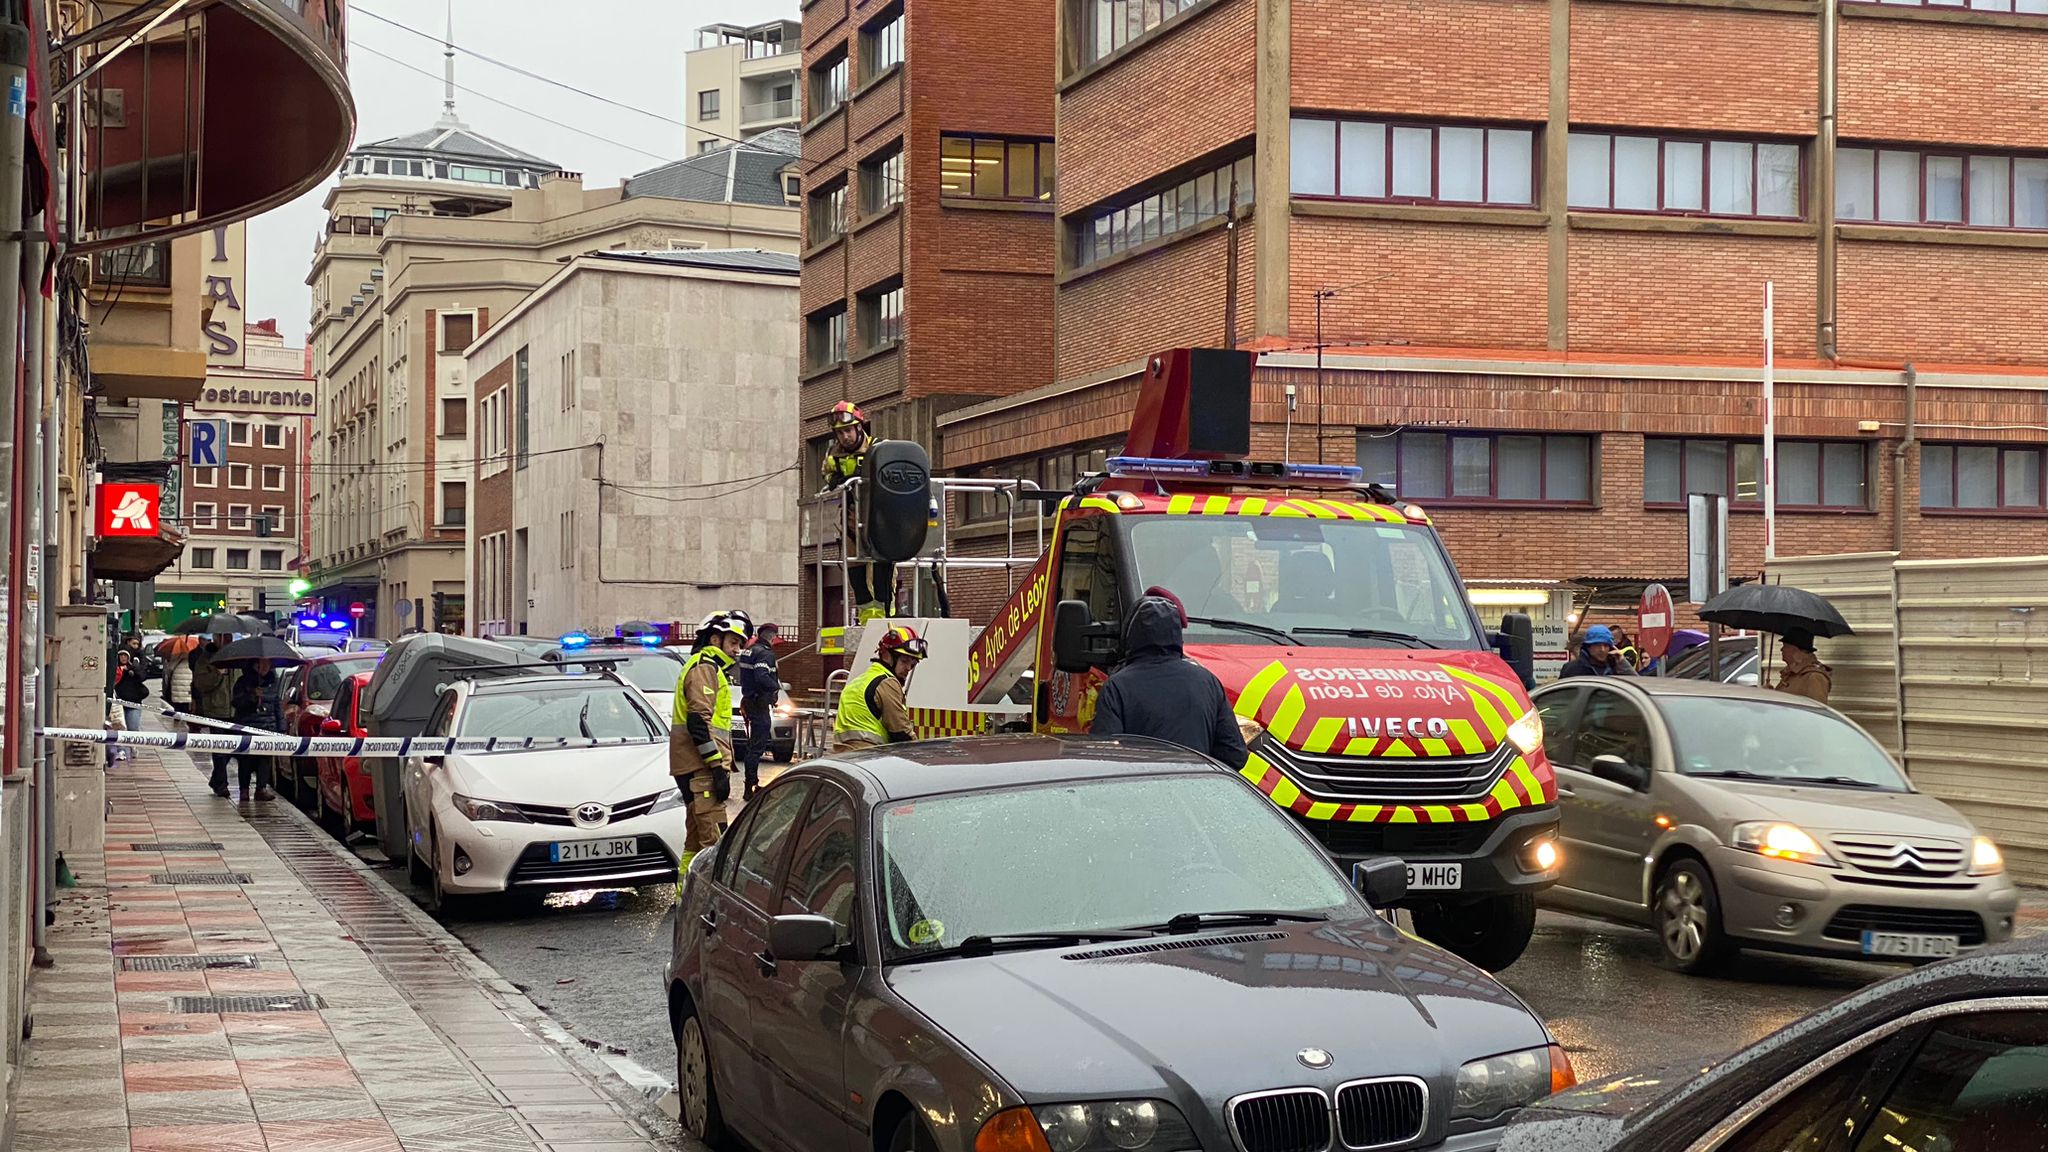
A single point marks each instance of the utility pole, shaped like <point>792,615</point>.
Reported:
<point>1230,265</point>
<point>1322,294</point>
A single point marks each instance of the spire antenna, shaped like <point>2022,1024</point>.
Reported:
<point>448,117</point>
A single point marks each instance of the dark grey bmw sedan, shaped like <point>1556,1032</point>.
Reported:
<point>1035,944</point>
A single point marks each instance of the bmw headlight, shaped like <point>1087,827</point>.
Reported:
<point>673,798</point>
<point>1526,733</point>
<point>1103,1126</point>
<point>1486,1088</point>
<point>480,810</point>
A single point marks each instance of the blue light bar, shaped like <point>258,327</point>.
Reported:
<point>337,625</point>
<point>1326,473</point>
<point>651,640</point>
<point>1235,471</point>
<point>1155,466</point>
<point>309,621</point>
<point>575,640</point>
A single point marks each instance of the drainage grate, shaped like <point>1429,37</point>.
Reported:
<point>184,963</point>
<point>200,878</point>
<point>299,1002</point>
<point>177,846</point>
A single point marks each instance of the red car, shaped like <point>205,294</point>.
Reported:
<point>341,796</point>
<point>307,697</point>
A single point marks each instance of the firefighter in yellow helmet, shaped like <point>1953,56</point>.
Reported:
<point>700,733</point>
<point>844,456</point>
<point>871,706</point>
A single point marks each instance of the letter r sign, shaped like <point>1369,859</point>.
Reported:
<point>204,440</point>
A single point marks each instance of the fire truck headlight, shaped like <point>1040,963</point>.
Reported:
<point>1249,729</point>
<point>1526,733</point>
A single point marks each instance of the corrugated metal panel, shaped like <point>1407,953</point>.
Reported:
<point>1859,585</point>
<point>1973,670</point>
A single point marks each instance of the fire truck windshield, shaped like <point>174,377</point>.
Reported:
<point>1262,579</point>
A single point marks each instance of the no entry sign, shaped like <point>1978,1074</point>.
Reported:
<point>1653,622</point>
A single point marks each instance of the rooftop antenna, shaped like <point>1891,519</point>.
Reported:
<point>448,117</point>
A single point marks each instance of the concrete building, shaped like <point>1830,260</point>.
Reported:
<point>1527,244</point>
<point>244,521</point>
<point>430,236</point>
<point>635,445</point>
<point>740,81</point>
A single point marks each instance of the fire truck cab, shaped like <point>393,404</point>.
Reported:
<point>1377,708</point>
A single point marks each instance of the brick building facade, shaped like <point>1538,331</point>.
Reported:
<point>1538,232</point>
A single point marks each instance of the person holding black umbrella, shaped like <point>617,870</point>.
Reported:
<point>1803,673</point>
<point>257,705</point>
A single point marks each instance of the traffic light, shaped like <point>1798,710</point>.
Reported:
<point>262,601</point>
<point>299,587</point>
<point>440,606</point>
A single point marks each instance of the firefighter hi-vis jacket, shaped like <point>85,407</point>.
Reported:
<point>700,732</point>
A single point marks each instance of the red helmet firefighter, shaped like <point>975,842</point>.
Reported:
<point>871,706</point>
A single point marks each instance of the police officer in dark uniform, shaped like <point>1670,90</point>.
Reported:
<point>760,689</point>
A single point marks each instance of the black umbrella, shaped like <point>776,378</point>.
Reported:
<point>218,624</point>
<point>1775,608</point>
<point>254,625</point>
<point>250,649</point>
<point>638,628</point>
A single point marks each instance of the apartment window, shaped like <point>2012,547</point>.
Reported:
<point>828,213</point>
<point>1975,190</point>
<point>203,516</point>
<point>2024,7</point>
<point>1689,177</point>
<point>1162,214</point>
<point>238,559</point>
<point>270,560</point>
<point>825,337</point>
<point>828,85</point>
<point>454,504</point>
<point>1504,466</point>
<point>704,146</point>
<point>238,433</point>
<point>273,435</point>
<point>570,381</point>
<point>1107,25</point>
<point>238,475</point>
<point>519,387</point>
<point>204,477</point>
<point>1982,477</point>
<point>881,182</point>
<point>238,517</point>
<point>881,45</point>
<point>1412,163</point>
<point>569,539</point>
<point>275,514</point>
<point>202,557</point>
<point>707,104</point>
<point>992,168</point>
<point>1811,473</point>
<point>273,477</point>
<point>881,316</point>
<point>454,416</point>
<point>457,331</point>
<point>792,189</point>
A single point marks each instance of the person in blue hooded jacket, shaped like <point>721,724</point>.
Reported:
<point>1597,656</point>
<point>1157,691</point>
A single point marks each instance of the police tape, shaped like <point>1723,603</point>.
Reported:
<point>237,738</point>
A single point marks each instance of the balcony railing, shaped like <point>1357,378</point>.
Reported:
<point>768,110</point>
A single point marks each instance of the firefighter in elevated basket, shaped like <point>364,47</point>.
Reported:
<point>700,732</point>
<point>871,706</point>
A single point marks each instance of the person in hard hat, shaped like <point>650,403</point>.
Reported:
<point>1597,656</point>
<point>1158,692</point>
<point>851,440</point>
<point>1803,673</point>
<point>700,734</point>
<point>871,706</point>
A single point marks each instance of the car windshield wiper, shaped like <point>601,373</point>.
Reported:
<point>1737,774</point>
<point>1189,921</point>
<point>984,945</point>
<point>583,718</point>
<point>1279,637</point>
<point>1370,634</point>
<point>1843,781</point>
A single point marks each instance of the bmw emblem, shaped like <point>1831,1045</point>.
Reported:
<point>1315,1058</point>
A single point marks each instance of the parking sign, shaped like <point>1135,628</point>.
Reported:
<point>203,441</point>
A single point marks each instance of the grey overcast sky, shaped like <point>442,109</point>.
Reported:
<point>626,50</point>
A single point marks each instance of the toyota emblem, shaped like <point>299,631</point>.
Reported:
<point>1314,1058</point>
<point>591,815</point>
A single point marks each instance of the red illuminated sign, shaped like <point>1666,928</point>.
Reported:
<point>128,509</point>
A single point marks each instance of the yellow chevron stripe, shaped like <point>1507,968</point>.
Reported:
<point>1520,770</point>
<point>1322,811</point>
<point>1285,793</point>
<point>1288,715</point>
<point>1468,739</point>
<point>1504,793</point>
<point>1474,811</point>
<point>1314,509</point>
<point>1180,505</point>
<point>1338,509</point>
<point>1505,698</point>
<point>1254,694</point>
<point>1215,505</point>
<point>1101,503</point>
<point>1360,746</point>
<point>1254,768</point>
<point>1252,506</point>
<point>1435,747</point>
<point>1284,508</point>
<point>1396,748</point>
<point>1323,735</point>
<point>1488,715</point>
<point>1364,813</point>
<point>1437,813</point>
<point>1403,814</point>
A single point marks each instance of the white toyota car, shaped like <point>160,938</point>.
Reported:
<point>593,817</point>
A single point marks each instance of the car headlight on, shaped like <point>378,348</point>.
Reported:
<point>480,810</point>
<point>1486,1088</point>
<point>1249,730</point>
<point>1985,858</point>
<point>1089,1126</point>
<point>1526,733</point>
<point>1781,842</point>
<point>673,798</point>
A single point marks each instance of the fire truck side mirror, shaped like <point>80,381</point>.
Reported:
<point>1078,642</point>
<point>1516,641</point>
<point>896,499</point>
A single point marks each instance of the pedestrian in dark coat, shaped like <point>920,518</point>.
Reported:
<point>1597,656</point>
<point>1157,691</point>
<point>213,697</point>
<point>258,704</point>
<point>760,689</point>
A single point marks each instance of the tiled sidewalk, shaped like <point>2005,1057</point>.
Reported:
<point>172,1018</point>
